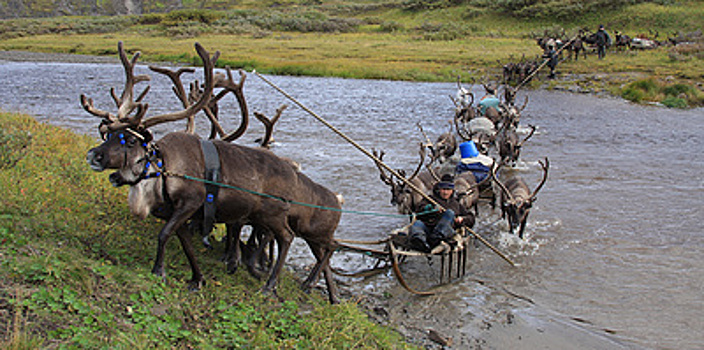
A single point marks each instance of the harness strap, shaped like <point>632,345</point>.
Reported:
<point>212,173</point>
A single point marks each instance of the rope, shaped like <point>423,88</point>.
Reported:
<point>197,179</point>
<point>348,139</point>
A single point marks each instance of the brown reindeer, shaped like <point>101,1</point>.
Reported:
<point>509,145</point>
<point>516,198</point>
<point>406,200</point>
<point>260,237</point>
<point>402,196</point>
<point>263,189</point>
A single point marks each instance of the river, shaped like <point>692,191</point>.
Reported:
<point>614,241</point>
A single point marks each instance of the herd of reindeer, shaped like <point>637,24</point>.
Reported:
<point>585,41</point>
<point>495,132</point>
<point>192,183</point>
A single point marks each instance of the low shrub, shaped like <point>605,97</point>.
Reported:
<point>391,27</point>
<point>676,95</point>
<point>674,102</point>
<point>686,51</point>
<point>175,18</point>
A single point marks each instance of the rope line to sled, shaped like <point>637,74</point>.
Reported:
<point>187,177</point>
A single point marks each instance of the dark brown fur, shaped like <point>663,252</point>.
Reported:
<point>516,197</point>
<point>177,200</point>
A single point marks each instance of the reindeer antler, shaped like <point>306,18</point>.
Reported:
<point>175,77</point>
<point>545,167</point>
<point>269,125</point>
<point>126,104</point>
<point>383,176</point>
<point>208,65</point>
<point>532,131</point>
<point>503,188</point>
<point>228,85</point>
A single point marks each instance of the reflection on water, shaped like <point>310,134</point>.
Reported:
<point>615,235</point>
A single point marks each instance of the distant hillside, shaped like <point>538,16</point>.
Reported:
<point>545,9</point>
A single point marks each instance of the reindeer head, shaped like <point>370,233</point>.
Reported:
<point>126,134</point>
<point>402,196</point>
<point>509,144</point>
<point>444,147</point>
<point>125,150</point>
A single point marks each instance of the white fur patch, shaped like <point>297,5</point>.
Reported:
<point>143,197</point>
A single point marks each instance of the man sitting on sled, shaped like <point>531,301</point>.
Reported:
<point>432,228</point>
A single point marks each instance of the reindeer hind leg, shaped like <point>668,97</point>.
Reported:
<point>283,236</point>
<point>322,256</point>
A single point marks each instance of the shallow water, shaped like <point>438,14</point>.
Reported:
<point>614,239</point>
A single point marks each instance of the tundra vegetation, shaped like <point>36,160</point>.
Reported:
<point>75,269</point>
<point>416,40</point>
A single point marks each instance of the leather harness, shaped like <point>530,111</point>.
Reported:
<point>212,175</point>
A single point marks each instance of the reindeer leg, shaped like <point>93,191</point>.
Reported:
<point>284,237</point>
<point>260,239</point>
<point>233,253</point>
<point>174,223</point>
<point>522,228</point>
<point>314,274</point>
<point>332,288</point>
<point>322,257</point>
<point>196,277</point>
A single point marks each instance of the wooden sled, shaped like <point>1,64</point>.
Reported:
<point>395,249</point>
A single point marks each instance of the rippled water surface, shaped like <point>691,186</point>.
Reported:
<point>615,238</point>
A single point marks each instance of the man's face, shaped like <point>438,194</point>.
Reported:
<point>445,193</point>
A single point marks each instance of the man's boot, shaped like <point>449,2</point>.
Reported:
<point>418,243</point>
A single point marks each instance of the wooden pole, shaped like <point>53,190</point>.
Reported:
<point>544,63</point>
<point>355,144</point>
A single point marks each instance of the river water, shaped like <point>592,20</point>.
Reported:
<point>614,240</point>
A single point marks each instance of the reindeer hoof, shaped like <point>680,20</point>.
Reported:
<point>271,293</point>
<point>232,267</point>
<point>194,286</point>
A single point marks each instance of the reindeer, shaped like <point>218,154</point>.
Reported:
<point>509,145</point>
<point>402,196</point>
<point>622,41</point>
<point>576,46</point>
<point>260,236</point>
<point>516,197</point>
<point>161,178</point>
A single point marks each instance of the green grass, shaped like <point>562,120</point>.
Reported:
<point>670,95</point>
<point>376,40</point>
<point>75,269</point>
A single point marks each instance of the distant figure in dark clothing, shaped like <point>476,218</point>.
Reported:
<point>551,55</point>
<point>602,40</point>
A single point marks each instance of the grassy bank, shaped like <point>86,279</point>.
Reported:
<point>409,40</point>
<point>75,269</point>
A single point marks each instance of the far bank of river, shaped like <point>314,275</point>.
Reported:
<point>596,83</point>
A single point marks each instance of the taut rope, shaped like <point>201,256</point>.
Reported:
<point>355,144</point>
